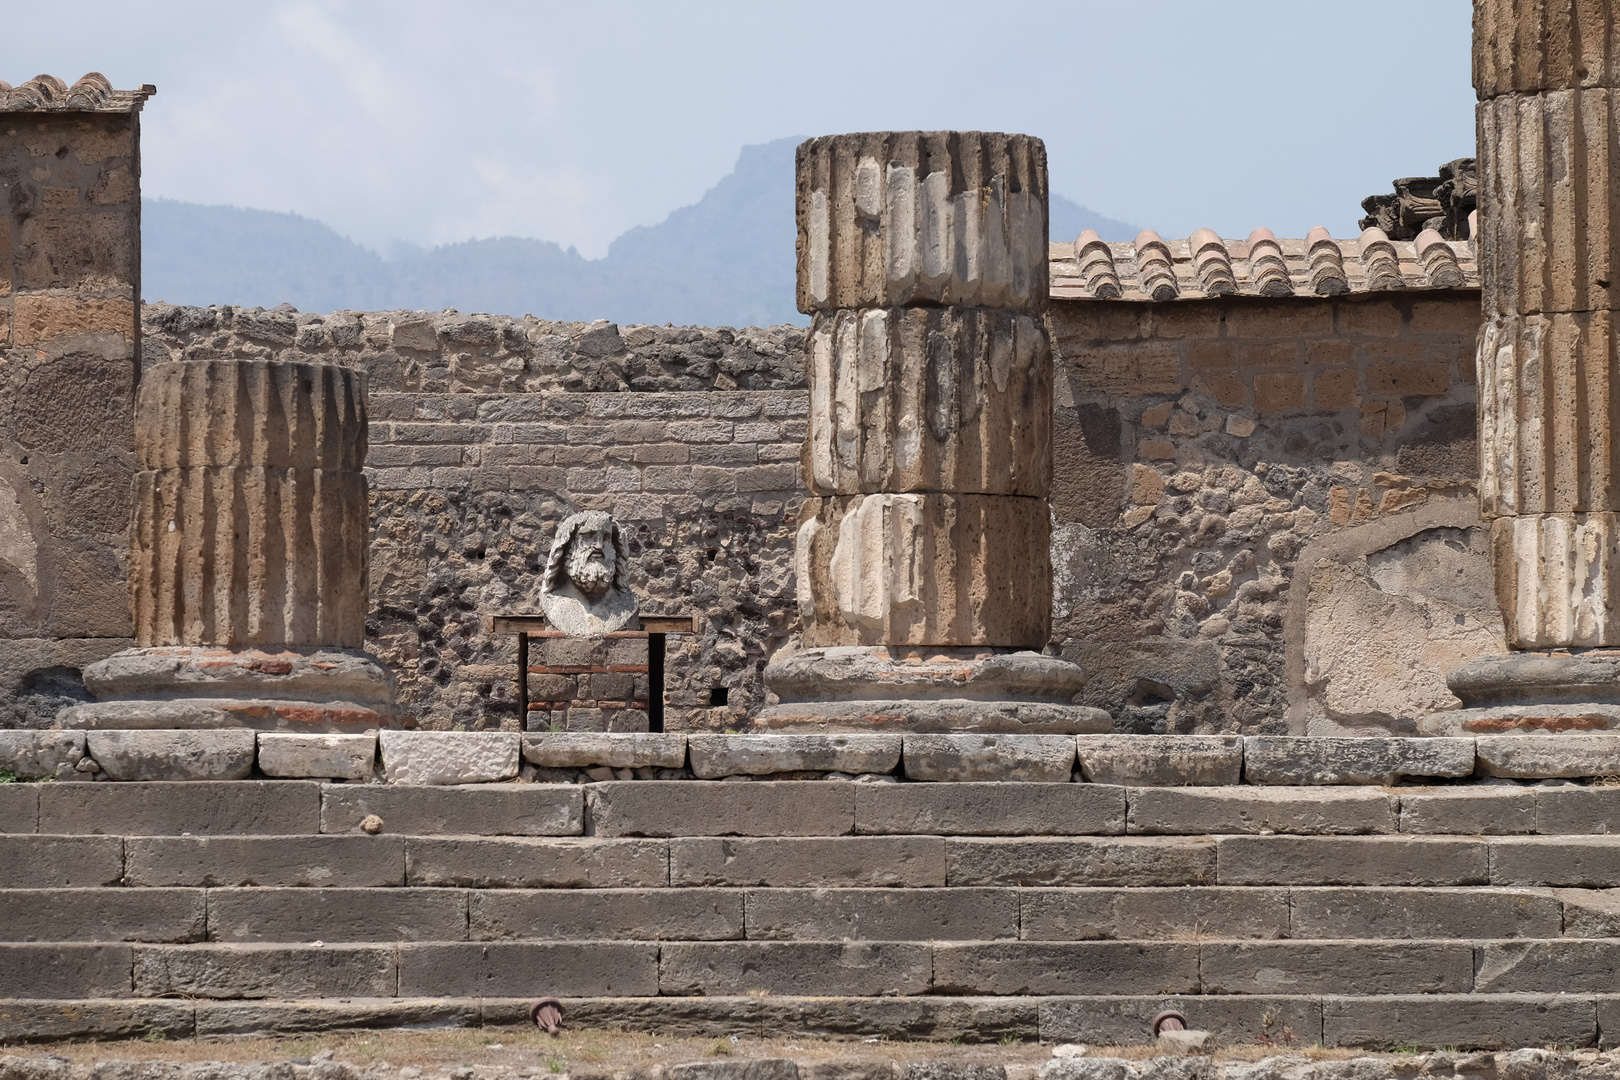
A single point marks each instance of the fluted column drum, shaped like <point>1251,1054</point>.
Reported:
<point>251,519</point>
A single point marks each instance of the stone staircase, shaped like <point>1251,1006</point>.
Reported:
<point>1463,914</point>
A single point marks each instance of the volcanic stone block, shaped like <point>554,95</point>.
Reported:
<point>1133,967</point>
<point>338,757</point>
<point>791,967</point>
<point>606,914</point>
<point>482,863</point>
<point>1352,860</point>
<point>394,914</point>
<point>1127,862</point>
<point>1149,914</point>
<point>19,808</point>
<point>760,808</point>
<point>1234,1019</point>
<point>239,971</point>
<point>582,749</point>
<point>1317,967</point>
<point>65,971</point>
<point>990,809</point>
<point>1577,810</point>
<point>883,914</point>
<point>243,807</point>
<point>99,1019</point>
<point>449,757</point>
<point>1307,810</point>
<point>1549,967</point>
<point>945,217</point>
<point>924,569</point>
<point>60,862</point>
<point>173,755</point>
<point>571,969</point>
<point>482,810</point>
<point>1487,1021</point>
<point>1026,758</point>
<point>928,399</point>
<point>1287,759</point>
<point>151,915</point>
<point>1162,760</point>
<point>1424,913</point>
<point>307,1015</point>
<point>326,861</point>
<point>821,862</point>
<point>1536,756</point>
<point>1584,861</point>
<point>1468,810</point>
<point>715,756</point>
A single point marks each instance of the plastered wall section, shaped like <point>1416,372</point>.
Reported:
<point>1266,510</point>
<point>69,279</point>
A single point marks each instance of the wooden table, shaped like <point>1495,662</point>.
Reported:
<point>655,628</point>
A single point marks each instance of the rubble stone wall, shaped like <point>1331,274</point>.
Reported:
<point>1265,515</point>
<point>69,276</point>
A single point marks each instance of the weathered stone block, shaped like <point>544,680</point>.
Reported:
<point>1572,552</point>
<point>571,969</point>
<point>33,754</point>
<point>250,807</point>
<point>338,757</point>
<point>1584,861</point>
<point>759,808</point>
<point>714,756</point>
<point>1549,967</point>
<point>60,862</point>
<point>238,971</point>
<point>1161,760</point>
<point>537,864</point>
<point>1134,967</point>
<point>1027,758</point>
<point>482,810</point>
<point>173,755</point>
<point>1577,810</point>
<point>1286,759</point>
<point>891,218</point>
<point>790,967</point>
<point>809,862</point>
<point>990,809</point>
<point>19,808</point>
<point>1315,967</point>
<point>605,914</point>
<point>1310,810</point>
<point>1126,1020</point>
<point>333,915</point>
<point>99,1019</point>
<point>1152,914</point>
<point>567,749</point>
<point>1423,913</point>
<point>449,757</point>
<point>306,1015</point>
<point>1125,862</point>
<point>928,399</point>
<point>1538,756</point>
<point>924,569</point>
<point>325,861</point>
<point>1487,1021</point>
<point>65,971</point>
<point>151,915</point>
<point>883,914</point>
<point>1351,860</point>
<point>1468,810</point>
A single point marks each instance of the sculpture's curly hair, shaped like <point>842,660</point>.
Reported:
<point>557,561</point>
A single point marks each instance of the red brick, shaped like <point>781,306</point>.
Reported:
<point>1275,356</point>
<point>1211,356</point>
<point>1377,317</point>
<point>1279,392</point>
<point>1336,389</point>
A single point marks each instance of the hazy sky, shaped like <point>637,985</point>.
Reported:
<point>436,122</point>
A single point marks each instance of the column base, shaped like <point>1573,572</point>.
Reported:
<point>1531,693</point>
<point>185,687</point>
<point>879,688</point>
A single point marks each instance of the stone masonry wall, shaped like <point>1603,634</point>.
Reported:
<point>69,276</point>
<point>1264,509</point>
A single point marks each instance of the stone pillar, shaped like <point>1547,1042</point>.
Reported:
<point>1549,395</point>
<point>923,556</point>
<point>247,555</point>
<point>70,264</point>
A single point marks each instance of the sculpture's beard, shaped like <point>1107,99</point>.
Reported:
<point>590,576</point>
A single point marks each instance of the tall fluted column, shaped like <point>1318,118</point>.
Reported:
<point>1549,392</point>
<point>247,554</point>
<point>923,555</point>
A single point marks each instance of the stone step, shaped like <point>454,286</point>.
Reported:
<point>275,914</point>
<point>817,968</point>
<point>1282,1021</point>
<point>665,809</point>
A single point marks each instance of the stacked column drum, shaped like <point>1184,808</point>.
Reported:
<point>922,259</point>
<point>1546,72</point>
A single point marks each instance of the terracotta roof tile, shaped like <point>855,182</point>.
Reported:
<point>1204,265</point>
<point>93,93</point>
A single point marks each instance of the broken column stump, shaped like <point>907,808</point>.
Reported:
<point>923,556</point>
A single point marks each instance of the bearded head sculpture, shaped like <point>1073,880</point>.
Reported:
<point>586,588</point>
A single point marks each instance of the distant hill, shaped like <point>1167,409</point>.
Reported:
<point>726,260</point>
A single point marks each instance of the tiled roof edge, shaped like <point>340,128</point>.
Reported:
<point>92,93</point>
<point>1205,265</point>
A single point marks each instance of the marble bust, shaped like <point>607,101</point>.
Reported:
<point>586,588</point>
